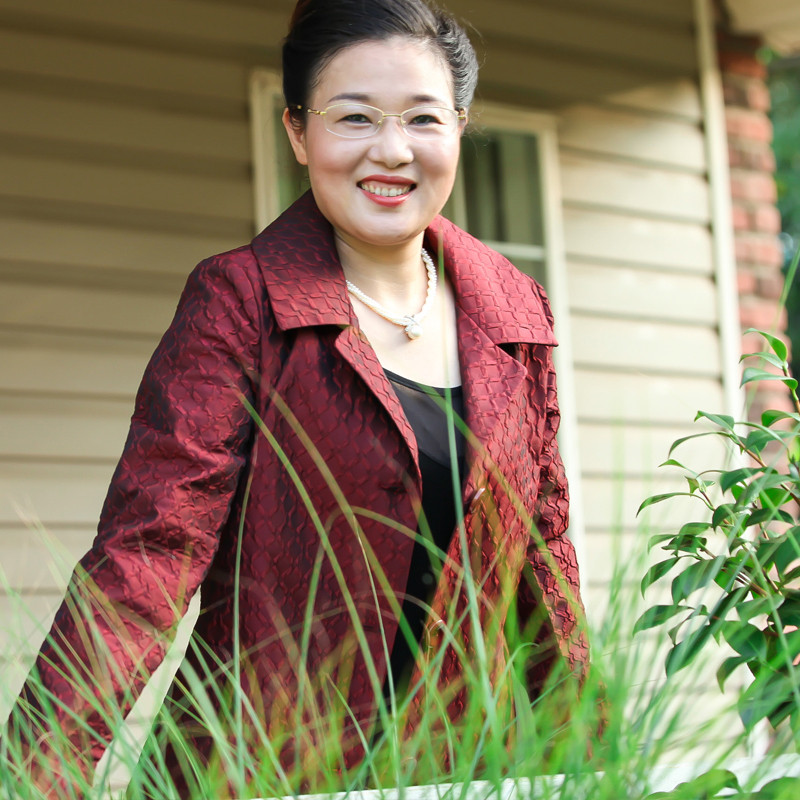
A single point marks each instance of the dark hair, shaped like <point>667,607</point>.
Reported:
<point>319,29</point>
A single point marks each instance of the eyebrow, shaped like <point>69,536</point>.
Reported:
<point>418,99</point>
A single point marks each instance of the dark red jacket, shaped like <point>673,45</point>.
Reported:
<point>321,492</point>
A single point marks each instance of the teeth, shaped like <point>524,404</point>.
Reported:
<point>384,191</point>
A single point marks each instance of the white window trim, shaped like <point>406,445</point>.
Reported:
<point>266,99</point>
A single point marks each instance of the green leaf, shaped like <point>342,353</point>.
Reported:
<point>694,577</point>
<point>678,442</point>
<point>726,670</point>
<point>779,789</point>
<point>722,420</point>
<point>789,612</point>
<point>704,787</point>
<point>745,639</point>
<point>657,571</point>
<point>740,475</point>
<point>724,513</point>
<point>659,498</point>
<point>752,374</point>
<point>770,358</point>
<point>768,697</point>
<point>671,462</point>
<point>780,551</point>
<point>694,528</point>
<point>754,608</point>
<point>658,539</point>
<point>683,653</point>
<point>656,615</point>
<point>771,416</point>
<point>777,345</point>
<point>758,439</point>
<point>766,515</point>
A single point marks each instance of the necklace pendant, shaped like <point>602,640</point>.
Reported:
<point>413,329</point>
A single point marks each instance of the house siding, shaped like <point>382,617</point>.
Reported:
<point>125,158</point>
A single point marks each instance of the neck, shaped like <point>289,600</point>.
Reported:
<point>393,276</point>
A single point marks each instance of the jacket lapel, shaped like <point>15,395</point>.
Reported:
<point>497,307</point>
<point>306,288</point>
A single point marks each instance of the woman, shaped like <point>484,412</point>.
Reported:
<point>289,456</point>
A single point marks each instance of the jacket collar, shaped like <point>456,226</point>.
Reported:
<point>306,285</point>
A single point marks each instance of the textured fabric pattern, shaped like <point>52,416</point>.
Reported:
<point>203,497</point>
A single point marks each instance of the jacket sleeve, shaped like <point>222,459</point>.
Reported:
<point>169,497</point>
<point>548,603</point>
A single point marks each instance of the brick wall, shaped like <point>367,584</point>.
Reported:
<point>756,219</point>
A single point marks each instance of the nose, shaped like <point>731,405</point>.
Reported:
<point>391,145</point>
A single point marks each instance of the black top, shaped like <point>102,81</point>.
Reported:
<point>424,407</point>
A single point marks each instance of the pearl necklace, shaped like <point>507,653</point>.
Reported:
<point>410,323</point>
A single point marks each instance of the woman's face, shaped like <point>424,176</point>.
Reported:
<point>348,175</point>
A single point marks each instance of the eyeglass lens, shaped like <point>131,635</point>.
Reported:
<point>355,120</point>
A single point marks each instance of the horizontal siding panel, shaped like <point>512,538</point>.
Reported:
<point>127,69</point>
<point>594,235</point>
<point>628,292</point>
<point>63,428</point>
<point>85,309</point>
<point>215,26</point>
<point>647,346</point>
<point>611,504</point>
<point>680,98</point>
<point>629,398</point>
<point>633,188</point>
<point>26,621</point>
<point>561,27</point>
<point>627,135</point>
<point>126,189</point>
<point>525,72</point>
<point>675,12</point>
<point>637,450</point>
<point>53,494</point>
<point>43,562</point>
<point>64,246</point>
<point>81,365</point>
<point>127,131</point>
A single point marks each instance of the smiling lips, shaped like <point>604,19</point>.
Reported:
<point>385,190</point>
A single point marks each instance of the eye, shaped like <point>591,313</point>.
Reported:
<point>422,117</point>
<point>356,119</point>
<point>352,115</point>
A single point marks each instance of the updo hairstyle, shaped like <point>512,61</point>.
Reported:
<point>319,29</point>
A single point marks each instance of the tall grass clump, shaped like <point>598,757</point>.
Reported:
<point>600,735</point>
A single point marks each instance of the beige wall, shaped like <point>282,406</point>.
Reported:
<point>125,158</point>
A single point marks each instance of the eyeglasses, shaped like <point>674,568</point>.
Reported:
<point>358,121</point>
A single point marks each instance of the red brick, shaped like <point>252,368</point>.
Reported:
<point>758,97</point>
<point>740,217</point>
<point>744,154</point>
<point>771,285</point>
<point>765,219</point>
<point>753,186</point>
<point>742,63</point>
<point>747,124</point>
<point>761,314</point>
<point>745,281</point>
<point>753,248</point>
<point>744,92</point>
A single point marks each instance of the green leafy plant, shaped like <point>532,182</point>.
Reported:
<point>735,571</point>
